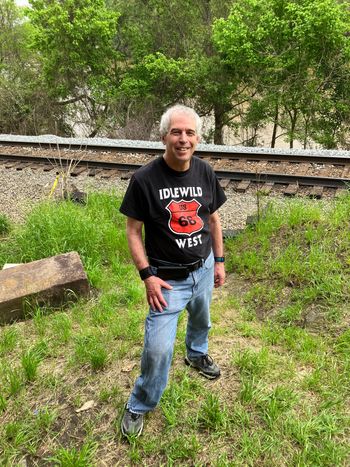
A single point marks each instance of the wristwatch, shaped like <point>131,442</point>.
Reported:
<point>145,273</point>
<point>219,259</point>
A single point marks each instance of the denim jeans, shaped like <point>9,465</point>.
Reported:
<point>194,294</point>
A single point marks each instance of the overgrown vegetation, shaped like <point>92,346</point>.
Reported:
<point>111,67</point>
<point>280,334</point>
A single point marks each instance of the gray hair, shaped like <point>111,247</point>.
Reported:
<point>178,109</point>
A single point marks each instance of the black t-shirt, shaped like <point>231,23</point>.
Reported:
<point>174,207</point>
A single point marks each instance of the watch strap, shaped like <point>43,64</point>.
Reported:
<point>145,273</point>
<point>219,259</point>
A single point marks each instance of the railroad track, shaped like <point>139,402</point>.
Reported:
<point>290,171</point>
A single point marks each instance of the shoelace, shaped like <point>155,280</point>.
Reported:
<point>207,360</point>
<point>135,416</point>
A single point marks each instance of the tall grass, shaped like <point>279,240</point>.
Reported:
<point>283,398</point>
<point>96,231</point>
<point>303,248</point>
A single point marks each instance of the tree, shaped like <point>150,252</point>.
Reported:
<point>24,102</point>
<point>76,43</point>
<point>292,49</point>
<point>171,62</point>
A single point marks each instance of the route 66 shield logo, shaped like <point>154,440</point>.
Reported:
<point>184,218</point>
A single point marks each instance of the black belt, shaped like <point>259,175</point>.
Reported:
<point>190,266</point>
<point>176,271</point>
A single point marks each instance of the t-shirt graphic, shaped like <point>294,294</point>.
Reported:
<point>184,218</point>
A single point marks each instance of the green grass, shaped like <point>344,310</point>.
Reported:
<point>280,334</point>
<point>5,225</point>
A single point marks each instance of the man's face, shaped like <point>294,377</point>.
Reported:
<point>180,141</point>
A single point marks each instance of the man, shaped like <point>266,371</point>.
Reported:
<point>175,199</point>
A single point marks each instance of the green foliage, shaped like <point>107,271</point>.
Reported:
<point>4,225</point>
<point>277,45</point>
<point>69,457</point>
<point>213,415</point>
<point>95,231</point>
<point>75,39</point>
<point>303,249</point>
<point>283,395</point>
<point>91,349</point>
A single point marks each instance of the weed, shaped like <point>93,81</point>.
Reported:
<point>31,359</point>
<point>14,382</point>
<point>90,349</point>
<point>69,457</point>
<point>176,396</point>
<point>8,340</point>
<point>248,390</point>
<point>62,328</point>
<point>251,363</point>
<point>5,225</point>
<point>212,415</point>
<point>109,394</point>
<point>182,448</point>
<point>276,403</point>
<point>3,403</point>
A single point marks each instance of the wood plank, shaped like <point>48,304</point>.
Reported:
<point>340,192</point>
<point>242,186</point>
<point>94,172</point>
<point>11,165</point>
<point>291,189</point>
<point>224,182</point>
<point>77,171</point>
<point>109,173</point>
<point>266,188</point>
<point>316,192</point>
<point>22,165</point>
<point>47,281</point>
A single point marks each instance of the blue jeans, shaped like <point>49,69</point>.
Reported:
<point>194,294</point>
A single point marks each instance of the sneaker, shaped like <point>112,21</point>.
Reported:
<point>205,365</point>
<point>132,423</point>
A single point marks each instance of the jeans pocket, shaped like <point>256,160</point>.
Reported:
<point>209,262</point>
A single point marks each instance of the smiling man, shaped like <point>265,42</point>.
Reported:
<point>175,200</point>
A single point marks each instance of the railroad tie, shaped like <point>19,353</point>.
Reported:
<point>243,186</point>
<point>94,172</point>
<point>224,182</point>
<point>126,175</point>
<point>291,189</point>
<point>77,171</point>
<point>22,165</point>
<point>11,165</point>
<point>316,192</point>
<point>109,173</point>
<point>346,172</point>
<point>266,188</point>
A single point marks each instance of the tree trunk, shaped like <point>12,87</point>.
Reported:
<point>293,121</point>
<point>219,115</point>
<point>275,125</point>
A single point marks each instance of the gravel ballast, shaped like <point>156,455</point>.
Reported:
<point>20,190</point>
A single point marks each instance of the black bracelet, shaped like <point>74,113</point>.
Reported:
<point>219,259</point>
<point>145,273</point>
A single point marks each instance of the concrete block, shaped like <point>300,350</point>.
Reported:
<point>46,281</point>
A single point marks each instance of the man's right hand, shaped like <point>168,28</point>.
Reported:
<point>154,294</point>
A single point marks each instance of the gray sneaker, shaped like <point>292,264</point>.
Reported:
<point>132,423</point>
<point>205,365</point>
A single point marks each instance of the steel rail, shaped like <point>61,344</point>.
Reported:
<point>283,179</point>
<point>64,162</point>
<point>253,154</point>
<point>258,177</point>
